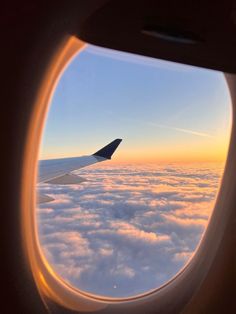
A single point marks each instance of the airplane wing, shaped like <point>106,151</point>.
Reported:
<point>59,171</point>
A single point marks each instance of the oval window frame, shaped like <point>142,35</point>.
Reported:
<point>173,295</point>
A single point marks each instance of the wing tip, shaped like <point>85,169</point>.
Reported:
<point>108,150</point>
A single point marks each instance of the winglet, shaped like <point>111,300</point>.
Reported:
<point>108,150</point>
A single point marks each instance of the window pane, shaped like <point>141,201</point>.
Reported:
<point>128,225</point>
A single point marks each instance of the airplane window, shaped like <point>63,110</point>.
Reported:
<point>120,218</point>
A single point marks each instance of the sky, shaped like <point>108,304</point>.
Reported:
<point>164,111</point>
<point>127,229</point>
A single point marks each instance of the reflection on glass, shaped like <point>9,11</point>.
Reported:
<point>131,223</point>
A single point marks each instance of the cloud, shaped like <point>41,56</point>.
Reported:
<point>129,228</point>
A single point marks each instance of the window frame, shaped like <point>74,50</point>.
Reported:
<point>176,294</point>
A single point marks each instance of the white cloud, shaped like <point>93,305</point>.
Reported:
<point>128,229</point>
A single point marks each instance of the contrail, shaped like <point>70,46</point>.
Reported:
<point>182,130</point>
<point>163,126</point>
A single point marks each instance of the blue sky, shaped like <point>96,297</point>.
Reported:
<point>157,107</point>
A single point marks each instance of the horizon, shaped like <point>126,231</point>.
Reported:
<point>131,162</point>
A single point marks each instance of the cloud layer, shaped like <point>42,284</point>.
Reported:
<point>128,228</point>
